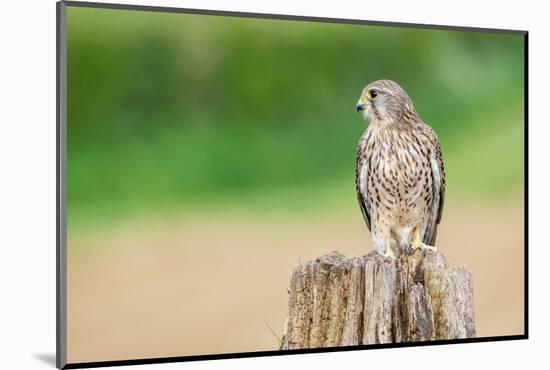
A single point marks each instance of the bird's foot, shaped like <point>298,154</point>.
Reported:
<point>417,244</point>
<point>429,248</point>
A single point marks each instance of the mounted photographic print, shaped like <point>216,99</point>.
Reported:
<point>234,184</point>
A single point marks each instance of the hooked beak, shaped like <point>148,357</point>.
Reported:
<point>360,107</point>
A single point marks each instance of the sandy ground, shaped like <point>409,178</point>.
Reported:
<point>213,284</point>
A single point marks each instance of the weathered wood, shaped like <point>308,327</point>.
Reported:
<point>338,301</point>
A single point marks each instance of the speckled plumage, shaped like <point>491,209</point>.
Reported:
<point>400,177</point>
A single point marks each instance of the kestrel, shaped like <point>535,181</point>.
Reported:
<point>399,173</point>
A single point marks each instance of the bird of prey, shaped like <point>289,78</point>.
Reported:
<point>399,173</point>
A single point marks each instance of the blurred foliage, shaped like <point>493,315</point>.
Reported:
<point>172,109</point>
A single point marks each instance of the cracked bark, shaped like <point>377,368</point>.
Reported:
<point>336,301</point>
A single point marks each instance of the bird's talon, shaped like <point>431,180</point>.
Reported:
<point>427,248</point>
<point>430,248</point>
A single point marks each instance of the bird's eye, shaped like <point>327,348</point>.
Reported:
<point>373,94</point>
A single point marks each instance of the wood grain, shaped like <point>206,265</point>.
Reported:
<point>337,301</point>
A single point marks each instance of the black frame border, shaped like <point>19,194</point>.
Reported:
<point>61,170</point>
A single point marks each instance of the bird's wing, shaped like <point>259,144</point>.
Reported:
<point>438,176</point>
<point>361,177</point>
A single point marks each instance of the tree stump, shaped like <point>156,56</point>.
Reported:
<point>340,301</point>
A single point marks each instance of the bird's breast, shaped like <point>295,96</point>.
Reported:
<point>399,168</point>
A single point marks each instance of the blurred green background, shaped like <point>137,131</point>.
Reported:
<point>175,110</point>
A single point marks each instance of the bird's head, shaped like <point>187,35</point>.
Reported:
<point>385,102</point>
